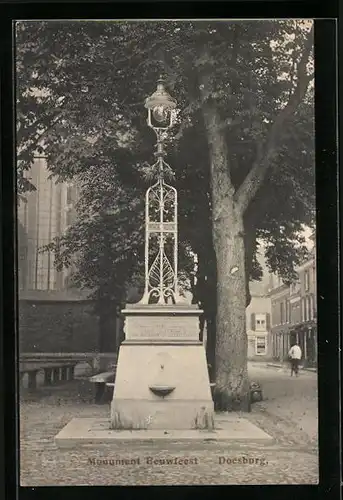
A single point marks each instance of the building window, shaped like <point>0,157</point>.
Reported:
<point>69,195</point>
<point>312,314</point>
<point>308,309</point>
<point>287,312</point>
<point>314,275</point>
<point>22,267</point>
<point>315,305</point>
<point>261,345</point>
<point>282,313</point>
<point>303,309</point>
<point>69,217</point>
<point>306,313</point>
<point>307,280</point>
<point>273,314</point>
<point>43,270</point>
<point>294,287</point>
<point>261,324</point>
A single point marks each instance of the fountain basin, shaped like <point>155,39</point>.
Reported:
<point>161,390</point>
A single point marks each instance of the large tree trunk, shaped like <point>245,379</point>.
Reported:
<point>206,295</point>
<point>232,385</point>
<point>211,345</point>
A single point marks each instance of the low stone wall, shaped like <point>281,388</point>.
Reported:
<point>57,326</point>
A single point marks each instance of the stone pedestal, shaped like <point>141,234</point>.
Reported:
<point>162,378</point>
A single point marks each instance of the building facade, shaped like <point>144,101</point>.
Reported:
<point>294,313</point>
<point>53,317</point>
<point>258,328</point>
<point>43,214</point>
<point>258,315</point>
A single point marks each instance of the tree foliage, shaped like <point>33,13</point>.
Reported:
<point>81,86</point>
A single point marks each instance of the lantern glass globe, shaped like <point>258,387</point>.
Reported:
<point>160,114</point>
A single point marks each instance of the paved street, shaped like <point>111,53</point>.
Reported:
<point>289,398</point>
<point>288,414</point>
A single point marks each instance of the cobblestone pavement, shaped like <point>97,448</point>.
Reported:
<point>288,414</point>
<point>291,400</point>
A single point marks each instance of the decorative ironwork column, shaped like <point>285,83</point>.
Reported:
<point>161,232</point>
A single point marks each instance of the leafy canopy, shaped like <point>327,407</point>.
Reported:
<point>81,88</point>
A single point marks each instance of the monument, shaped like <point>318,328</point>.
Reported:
<point>162,379</point>
<point>162,389</point>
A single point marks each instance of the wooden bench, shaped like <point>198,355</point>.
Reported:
<point>101,381</point>
<point>54,372</point>
<point>97,361</point>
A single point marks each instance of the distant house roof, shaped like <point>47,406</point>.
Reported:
<point>258,288</point>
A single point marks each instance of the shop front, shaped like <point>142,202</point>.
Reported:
<point>305,334</point>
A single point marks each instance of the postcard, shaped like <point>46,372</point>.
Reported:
<point>167,272</point>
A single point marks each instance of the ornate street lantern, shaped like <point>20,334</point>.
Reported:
<point>160,107</point>
<point>161,232</point>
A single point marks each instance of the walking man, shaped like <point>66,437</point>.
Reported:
<point>295,357</point>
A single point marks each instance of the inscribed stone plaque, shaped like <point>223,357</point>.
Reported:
<point>151,327</point>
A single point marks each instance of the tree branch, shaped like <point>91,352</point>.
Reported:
<point>53,119</point>
<point>256,175</point>
<point>36,140</point>
<point>32,128</point>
